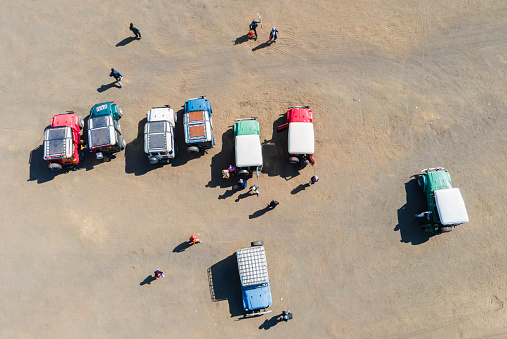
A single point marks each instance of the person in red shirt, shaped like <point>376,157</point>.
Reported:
<point>194,240</point>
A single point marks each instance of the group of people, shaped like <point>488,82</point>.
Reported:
<point>114,73</point>
<point>273,35</point>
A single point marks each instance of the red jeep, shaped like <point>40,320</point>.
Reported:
<point>62,140</point>
<point>301,139</point>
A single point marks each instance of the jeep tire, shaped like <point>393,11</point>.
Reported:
<point>80,121</point>
<point>55,167</point>
<point>193,149</point>
<point>445,229</point>
<point>257,243</point>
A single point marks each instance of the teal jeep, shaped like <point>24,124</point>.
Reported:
<point>104,130</point>
<point>446,208</point>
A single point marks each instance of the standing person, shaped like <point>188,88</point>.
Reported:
<point>135,30</point>
<point>115,74</point>
<point>159,274</point>
<point>194,240</point>
<point>253,27</point>
<point>241,184</point>
<point>273,35</point>
<point>273,204</point>
<point>254,189</point>
<point>313,180</point>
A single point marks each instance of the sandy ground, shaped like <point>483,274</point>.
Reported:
<point>395,86</point>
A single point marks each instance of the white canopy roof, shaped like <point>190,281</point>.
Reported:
<point>301,138</point>
<point>451,206</point>
<point>248,150</point>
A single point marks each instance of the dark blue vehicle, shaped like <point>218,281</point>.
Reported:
<point>198,125</point>
<point>253,274</point>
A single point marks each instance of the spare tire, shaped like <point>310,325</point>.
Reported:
<point>420,182</point>
<point>55,167</point>
<point>80,121</point>
<point>193,149</point>
<point>293,160</point>
<point>119,111</point>
<point>153,160</point>
<point>257,243</point>
<point>122,143</point>
<point>244,172</point>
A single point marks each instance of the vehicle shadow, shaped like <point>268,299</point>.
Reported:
<point>410,229</point>
<point>263,45</point>
<point>268,323</point>
<point>126,41</point>
<point>182,156</point>
<point>103,88</point>
<point>221,161</point>
<point>241,39</point>
<point>224,284</point>
<point>275,153</point>
<point>147,280</point>
<point>260,212</point>
<point>182,247</point>
<point>136,161</point>
<point>39,170</point>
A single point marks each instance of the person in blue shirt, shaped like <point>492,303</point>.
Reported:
<point>115,74</point>
<point>253,27</point>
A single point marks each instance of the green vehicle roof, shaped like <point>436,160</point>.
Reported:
<point>102,109</point>
<point>437,180</point>
<point>246,127</point>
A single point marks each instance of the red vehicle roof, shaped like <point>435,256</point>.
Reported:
<point>299,114</point>
<point>64,119</point>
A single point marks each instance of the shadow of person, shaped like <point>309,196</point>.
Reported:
<point>410,230</point>
<point>182,247</point>
<point>126,41</point>
<point>227,194</point>
<point>148,280</point>
<point>298,189</point>
<point>108,86</point>
<point>263,45</point>
<point>268,323</point>
<point>243,195</point>
<point>241,39</point>
<point>259,213</point>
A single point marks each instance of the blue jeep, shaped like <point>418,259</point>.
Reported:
<point>198,125</point>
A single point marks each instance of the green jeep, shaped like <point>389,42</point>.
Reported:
<point>104,130</point>
<point>446,208</point>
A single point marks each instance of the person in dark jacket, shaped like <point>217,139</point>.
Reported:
<point>135,30</point>
<point>273,35</point>
<point>253,27</point>
<point>115,74</point>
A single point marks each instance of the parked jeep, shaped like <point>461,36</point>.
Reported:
<point>247,146</point>
<point>159,134</point>
<point>301,144</point>
<point>62,140</point>
<point>198,125</point>
<point>104,130</point>
<point>446,208</point>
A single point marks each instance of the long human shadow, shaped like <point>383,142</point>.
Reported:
<point>126,41</point>
<point>241,39</point>
<point>221,161</point>
<point>268,323</point>
<point>244,195</point>
<point>224,284</point>
<point>104,88</point>
<point>182,247</point>
<point>298,189</point>
<point>260,212</point>
<point>147,280</point>
<point>263,45</point>
<point>410,229</point>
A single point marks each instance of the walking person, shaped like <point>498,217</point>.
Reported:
<point>254,189</point>
<point>135,30</point>
<point>241,184</point>
<point>273,204</point>
<point>115,74</point>
<point>194,240</point>
<point>159,274</point>
<point>273,35</point>
<point>313,180</point>
<point>253,27</point>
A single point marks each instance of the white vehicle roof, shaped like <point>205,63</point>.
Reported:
<point>57,142</point>
<point>248,150</point>
<point>162,114</point>
<point>101,131</point>
<point>252,266</point>
<point>301,138</point>
<point>451,207</point>
<point>158,137</point>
